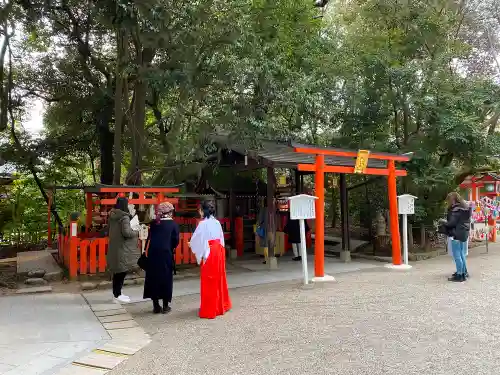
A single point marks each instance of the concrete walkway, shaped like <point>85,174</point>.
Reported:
<point>41,333</point>
<point>372,322</point>
<point>288,270</point>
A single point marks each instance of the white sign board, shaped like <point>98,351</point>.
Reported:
<point>74,229</point>
<point>406,204</point>
<point>302,206</point>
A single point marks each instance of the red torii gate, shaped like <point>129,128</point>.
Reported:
<point>319,168</point>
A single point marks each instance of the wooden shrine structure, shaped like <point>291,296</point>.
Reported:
<point>308,159</point>
<point>83,250</point>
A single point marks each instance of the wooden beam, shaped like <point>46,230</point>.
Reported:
<point>138,189</point>
<point>271,213</point>
<point>350,170</point>
<point>344,213</point>
<point>112,201</point>
<point>349,154</point>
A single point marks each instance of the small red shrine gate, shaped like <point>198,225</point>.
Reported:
<point>361,166</point>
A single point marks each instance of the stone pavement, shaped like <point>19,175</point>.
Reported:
<point>63,334</point>
<point>288,270</point>
<point>375,321</point>
<point>41,333</point>
<point>72,334</point>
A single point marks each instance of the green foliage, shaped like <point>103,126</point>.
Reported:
<point>387,75</point>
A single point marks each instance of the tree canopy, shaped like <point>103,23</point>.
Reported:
<point>132,88</point>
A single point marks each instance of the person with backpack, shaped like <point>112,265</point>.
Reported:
<point>457,228</point>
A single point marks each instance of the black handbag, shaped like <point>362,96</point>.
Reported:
<point>142,262</point>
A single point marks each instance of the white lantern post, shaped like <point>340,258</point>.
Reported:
<point>406,206</point>
<point>302,207</point>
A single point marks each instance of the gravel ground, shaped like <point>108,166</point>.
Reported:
<point>369,322</point>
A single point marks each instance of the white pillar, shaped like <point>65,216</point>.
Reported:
<point>303,251</point>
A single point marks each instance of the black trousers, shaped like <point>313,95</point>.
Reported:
<point>118,280</point>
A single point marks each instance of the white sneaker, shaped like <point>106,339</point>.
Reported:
<point>122,299</point>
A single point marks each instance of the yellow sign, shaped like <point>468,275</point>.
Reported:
<point>362,161</point>
<point>282,180</point>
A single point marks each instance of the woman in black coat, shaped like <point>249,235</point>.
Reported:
<point>163,240</point>
<point>292,229</point>
<point>457,227</point>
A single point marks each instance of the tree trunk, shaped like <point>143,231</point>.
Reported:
<point>144,57</point>
<point>335,207</point>
<point>106,142</point>
<point>120,97</point>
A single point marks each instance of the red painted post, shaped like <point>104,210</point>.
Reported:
<point>393,213</point>
<point>238,234</point>
<point>101,250</point>
<point>93,257</point>
<point>319,250</point>
<point>84,252</point>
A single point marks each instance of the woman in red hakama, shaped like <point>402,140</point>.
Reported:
<point>207,244</point>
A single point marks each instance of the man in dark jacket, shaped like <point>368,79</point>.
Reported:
<point>292,229</point>
<point>457,227</point>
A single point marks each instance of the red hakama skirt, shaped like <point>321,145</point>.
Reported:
<point>214,294</point>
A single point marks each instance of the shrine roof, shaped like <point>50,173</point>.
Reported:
<point>283,154</point>
<point>101,188</point>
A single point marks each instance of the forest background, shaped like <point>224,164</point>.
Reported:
<point>132,89</point>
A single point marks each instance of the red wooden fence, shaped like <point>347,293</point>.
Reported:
<point>88,256</point>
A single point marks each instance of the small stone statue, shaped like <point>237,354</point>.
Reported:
<point>380,225</point>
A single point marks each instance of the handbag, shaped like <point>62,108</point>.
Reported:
<point>261,232</point>
<point>142,262</point>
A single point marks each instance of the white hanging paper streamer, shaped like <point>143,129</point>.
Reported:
<point>143,235</point>
<point>152,212</point>
<point>131,207</point>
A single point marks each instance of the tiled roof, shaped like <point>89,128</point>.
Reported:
<point>281,154</point>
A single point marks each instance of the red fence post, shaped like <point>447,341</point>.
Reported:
<point>102,247</point>
<point>73,249</point>
<point>84,247</point>
<point>93,257</point>
<point>238,236</point>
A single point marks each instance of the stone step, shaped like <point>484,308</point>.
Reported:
<point>35,281</point>
<point>35,290</point>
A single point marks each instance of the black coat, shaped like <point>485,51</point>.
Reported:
<point>292,228</point>
<point>457,224</point>
<point>163,239</point>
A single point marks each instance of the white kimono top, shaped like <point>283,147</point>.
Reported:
<point>207,230</point>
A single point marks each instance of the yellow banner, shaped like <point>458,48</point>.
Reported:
<point>282,180</point>
<point>362,161</point>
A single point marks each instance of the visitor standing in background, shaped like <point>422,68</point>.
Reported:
<point>457,227</point>
<point>123,249</point>
<point>292,229</point>
<point>262,229</point>
<point>163,240</point>
<point>207,244</point>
